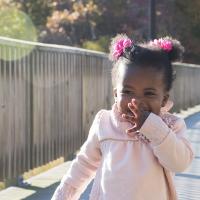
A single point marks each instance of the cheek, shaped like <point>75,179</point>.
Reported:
<point>157,111</point>
<point>122,103</point>
<point>156,107</point>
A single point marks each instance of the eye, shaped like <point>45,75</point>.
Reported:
<point>150,94</point>
<point>126,91</point>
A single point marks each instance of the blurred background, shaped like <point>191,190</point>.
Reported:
<point>91,23</point>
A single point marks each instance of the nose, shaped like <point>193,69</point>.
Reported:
<point>138,98</point>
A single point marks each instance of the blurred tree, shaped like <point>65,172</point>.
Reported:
<point>85,22</point>
<point>75,22</point>
<point>181,19</point>
<point>100,44</point>
<point>188,27</point>
<point>72,21</point>
<point>123,16</point>
<point>15,23</point>
<point>8,3</point>
<point>38,10</point>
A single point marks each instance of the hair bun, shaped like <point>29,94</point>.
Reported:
<point>176,53</point>
<point>118,46</point>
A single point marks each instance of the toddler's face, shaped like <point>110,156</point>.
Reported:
<point>143,84</point>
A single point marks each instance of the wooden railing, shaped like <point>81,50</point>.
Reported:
<point>47,101</point>
<point>186,90</point>
<point>49,95</point>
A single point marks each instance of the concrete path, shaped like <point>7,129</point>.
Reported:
<point>188,183</point>
<point>42,186</point>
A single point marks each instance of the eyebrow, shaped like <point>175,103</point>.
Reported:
<point>150,89</point>
<point>127,86</point>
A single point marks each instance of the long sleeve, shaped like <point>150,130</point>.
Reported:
<point>83,168</point>
<point>169,144</point>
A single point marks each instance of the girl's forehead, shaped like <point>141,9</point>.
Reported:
<point>136,75</point>
<point>132,70</point>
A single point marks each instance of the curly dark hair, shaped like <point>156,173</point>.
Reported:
<point>148,55</point>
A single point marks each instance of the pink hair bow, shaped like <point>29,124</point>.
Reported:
<point>163,44</point>
<point>120,46</point>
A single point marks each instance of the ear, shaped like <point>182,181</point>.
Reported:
<point>115,94</point>
<point>165,99</point>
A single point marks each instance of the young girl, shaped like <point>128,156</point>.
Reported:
<point>134,149</point>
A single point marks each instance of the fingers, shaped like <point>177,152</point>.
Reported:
<point>129,118</point>
<point>132,117</point>
<point>136,107</point>
<point>133,109</point>
<point>139,105</point>
<point>132,131</point>
<point>137,116</point>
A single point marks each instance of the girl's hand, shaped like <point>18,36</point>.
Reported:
<point>137,117</point>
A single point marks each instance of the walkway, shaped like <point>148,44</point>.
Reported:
<point>42,186</point>
<point>188,183</point>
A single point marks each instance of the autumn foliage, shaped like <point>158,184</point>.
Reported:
<point>91,23</point>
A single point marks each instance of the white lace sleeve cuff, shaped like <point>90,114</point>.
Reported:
<point>154,129</point>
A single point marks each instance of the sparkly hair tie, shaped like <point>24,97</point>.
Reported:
<point>164,44</point>
<point>120,46</point>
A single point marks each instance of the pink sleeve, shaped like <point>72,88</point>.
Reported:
<point>65,192</point>
<point>169,145</point>
<point>83,167</point>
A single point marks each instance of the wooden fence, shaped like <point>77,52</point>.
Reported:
<point>47,101</point>
<point>49,95</point>
<point>186,90</point>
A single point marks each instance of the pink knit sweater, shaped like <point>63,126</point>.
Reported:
<point>128,168</point>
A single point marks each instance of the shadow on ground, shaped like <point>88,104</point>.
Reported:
<point>46,193</point>
<point>41,193</point>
